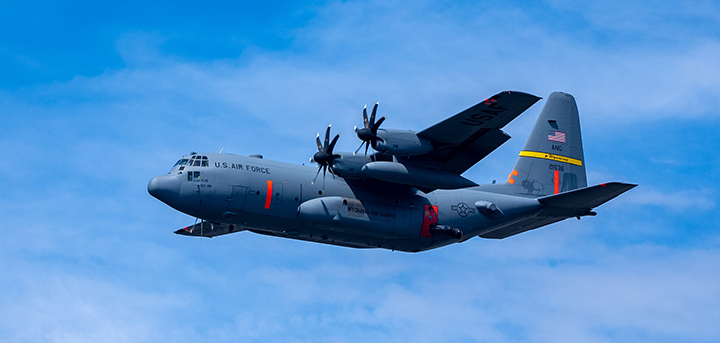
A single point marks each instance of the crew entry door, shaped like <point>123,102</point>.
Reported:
<point>237,199</point>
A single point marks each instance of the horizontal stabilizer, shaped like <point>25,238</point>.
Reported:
<point>587,198</point>
<point>575,203</point>
<point>520,227</point>
<point>208,229</point>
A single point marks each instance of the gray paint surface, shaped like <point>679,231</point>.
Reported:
<point>415,200</point>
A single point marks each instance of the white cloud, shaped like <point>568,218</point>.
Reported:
<point>655,18</point>
<point>691,200</point>
<point>88,242</point>
<point>50,306</point>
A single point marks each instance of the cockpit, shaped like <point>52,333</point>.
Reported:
<point>193,161</point>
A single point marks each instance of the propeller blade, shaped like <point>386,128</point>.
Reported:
<point>319,144</point>
<point>377,125</point>
<point>360,147</point>
<point>324,168</point>
<point>368,134</point>
<point>316,175</point>
<point>327,136</point>
<point>324,156</point>
<point>332,145</point>
<point>372,116</point>
<point>365,119</point>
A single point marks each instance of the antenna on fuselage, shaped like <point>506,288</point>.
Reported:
<point>221,149</point>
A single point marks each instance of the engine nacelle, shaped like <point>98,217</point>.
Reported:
<point>401,143</point>
<point>353,216</point>
<point>350,166</point>
<point>415,176</point>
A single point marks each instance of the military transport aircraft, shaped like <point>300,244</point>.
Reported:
<point>408,194</point>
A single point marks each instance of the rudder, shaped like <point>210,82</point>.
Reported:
<point>552,160</point>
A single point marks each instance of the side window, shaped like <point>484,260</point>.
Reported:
<point>193,176</point>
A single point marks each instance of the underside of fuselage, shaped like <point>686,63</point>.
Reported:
<point>213,229</point>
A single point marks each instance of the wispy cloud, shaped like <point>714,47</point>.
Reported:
<point>681,201</point>
<point>89,256</point>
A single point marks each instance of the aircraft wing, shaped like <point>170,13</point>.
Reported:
<point>467,137</point>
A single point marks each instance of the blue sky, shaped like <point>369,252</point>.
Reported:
<point>96,99</point>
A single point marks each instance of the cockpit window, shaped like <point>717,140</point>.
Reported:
<point>194,161</point>
<point>181,162</point>
<point>198,161</point>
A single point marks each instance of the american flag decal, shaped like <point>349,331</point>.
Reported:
<point>556,136</point>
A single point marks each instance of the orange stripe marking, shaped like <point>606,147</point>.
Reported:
<point>557,182</point>
<point>510,177</point>
<point>268,197</point>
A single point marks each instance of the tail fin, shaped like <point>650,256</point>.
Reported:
<point>552,160</point>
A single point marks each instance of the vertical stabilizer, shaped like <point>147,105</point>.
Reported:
<point>552,160</point>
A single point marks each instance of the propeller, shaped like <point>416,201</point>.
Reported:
<point>368,134</point>
<point>324,157</point>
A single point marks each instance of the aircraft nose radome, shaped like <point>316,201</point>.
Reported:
<point>164,187</point>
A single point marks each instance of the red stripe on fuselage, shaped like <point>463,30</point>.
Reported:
<point>429,217</point>
<point>268,197</point>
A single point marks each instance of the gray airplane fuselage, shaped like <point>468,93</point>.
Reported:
<point>409,194</point>
<point>281,199</point>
